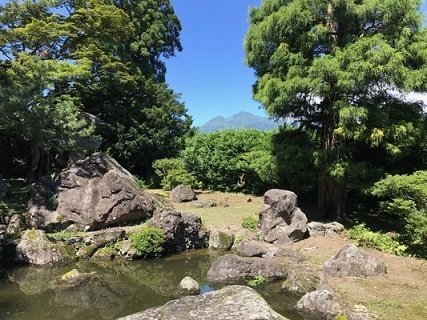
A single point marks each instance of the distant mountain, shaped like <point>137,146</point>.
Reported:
<point>245,120</point>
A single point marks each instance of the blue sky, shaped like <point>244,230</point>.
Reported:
<point>210,72</point>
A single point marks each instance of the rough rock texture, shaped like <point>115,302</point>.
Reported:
<point>74,277</point>
<point>280,220</point>
<point>324,229</point>
<point>318,303</point>
<point>183,231</point>
<point>189,285</point>
<point>251,248</point>
<point>350,261</point>
<point>182,193</point>
<point>300,281</point>
<point>35,248</point>
<point>15,226</point>
<point>208,203</point>
<point>97,239</point>
<point>220,240</point>
<point>92,194</point>
<point>231,267</point>
<point>359,312</point>
<point>232,302</point>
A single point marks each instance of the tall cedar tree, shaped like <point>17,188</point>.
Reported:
<point>341,68</point>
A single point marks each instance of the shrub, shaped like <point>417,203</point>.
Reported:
<point>172,173</point>
<point>380,241</point>
<point>250,223</point>
<point>256,281</point>
<point>406,197</point>
<point>148,242</point>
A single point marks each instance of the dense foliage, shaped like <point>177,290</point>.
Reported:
<point>232,160</point>
<point>62,58</point>
<point>171,173</point>
<point>341,69</point>
<point>149,242</point>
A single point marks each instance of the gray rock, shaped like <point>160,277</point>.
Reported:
<point>220,240</point>
<point>209,203</point>
<point>232,302</point>
<point>182,193</point>
<point>35,248</point>
<point>182,231</point>
<point>318,303</point>
<point>359,312</point>
<point>93,241</point>
<point>231,267</point>
<point>251,248</point>
<point>92,194</point>
<point>16,226</point>
<point>300,281</point>
<point>280,219</point>
<point>350,261</point>
<point>324,229</point>
<point>189,285</point>
<point>74,277</point>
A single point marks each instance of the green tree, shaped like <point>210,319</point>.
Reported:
<point>232,160</point>
<point>341,68</point>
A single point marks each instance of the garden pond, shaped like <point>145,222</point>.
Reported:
<point>117,288</point>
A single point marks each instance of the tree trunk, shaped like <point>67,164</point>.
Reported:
<point>39,162</point>
<point>331,198</point>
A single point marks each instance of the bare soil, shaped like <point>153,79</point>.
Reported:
<point>400,294</point>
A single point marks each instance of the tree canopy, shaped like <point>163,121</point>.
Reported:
<point>61,57</point>
<point>341,68</point>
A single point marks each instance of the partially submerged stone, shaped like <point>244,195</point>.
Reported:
<point>220,240</point>
<point>232,302</point>
<point>35,248</point>
<point>189,285</point>
<point>319,303</point>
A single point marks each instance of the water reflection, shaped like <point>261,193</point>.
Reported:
<point>118,288</point>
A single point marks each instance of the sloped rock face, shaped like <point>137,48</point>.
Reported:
<point>232,302</point>
<point>280,219</point>
<point>182,231</point>
<point>231,267</point>
<point>35,248</point>
<point>350,261</point>
<point>319,303</point>
<point>91,194</point>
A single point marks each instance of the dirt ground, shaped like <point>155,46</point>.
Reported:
<point>400,294</point>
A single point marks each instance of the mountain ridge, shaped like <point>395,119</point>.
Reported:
<point>241,120</point>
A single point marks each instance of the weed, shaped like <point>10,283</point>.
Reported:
<point>250,223</point>
<point>256,281</point>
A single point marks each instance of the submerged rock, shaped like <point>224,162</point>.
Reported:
<point>232,302</point>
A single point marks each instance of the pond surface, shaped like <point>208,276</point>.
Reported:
<point>118,288</point>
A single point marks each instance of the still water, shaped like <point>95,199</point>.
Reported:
<point>118,288</point>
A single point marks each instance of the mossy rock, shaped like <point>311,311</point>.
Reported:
<point>300,282</point>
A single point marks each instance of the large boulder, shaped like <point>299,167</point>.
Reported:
<point>232,302</point>
<point>350,261</point>
<point>231,267</point>
<point>280,219</point>
<point>91,194</point>
<point>182,193</point>
<point>221,240</point>
<point>319,303</point>
<point>183,231</point>
<point>35,248</point>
